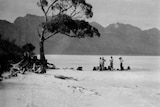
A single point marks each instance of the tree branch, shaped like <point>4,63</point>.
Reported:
<point>67,34</point>
<point>73,11</point>
<point>75,14</point>
<point>43,33</point>
<point>79,16</point>
<point>50,36</point>
<point>51,6</point>
<point>38,32</point>
<point>65,9</point>
<point>44,11</point>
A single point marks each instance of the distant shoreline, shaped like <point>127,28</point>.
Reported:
<point>98,55</point>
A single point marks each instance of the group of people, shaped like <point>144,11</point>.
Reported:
<point>110,67</point>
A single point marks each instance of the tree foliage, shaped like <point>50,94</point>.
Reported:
<point>9,52</point>
<point>10,48</point>
<point>28,47</point>
<point>66,18</point>
<point>66,25</point>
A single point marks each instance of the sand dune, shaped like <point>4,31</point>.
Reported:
<point>89,89</point>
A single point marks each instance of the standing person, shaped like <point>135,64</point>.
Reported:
<point>121,63</point>
<point>111,63</point>
<point>100,64</point>
<point>103,61</point>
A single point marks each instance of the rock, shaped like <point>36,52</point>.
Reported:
<point>80,68</point>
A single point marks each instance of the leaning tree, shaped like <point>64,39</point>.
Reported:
<point>65,17</point>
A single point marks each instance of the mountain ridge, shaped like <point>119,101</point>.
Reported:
<point>116,38</point>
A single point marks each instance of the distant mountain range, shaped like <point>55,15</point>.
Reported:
<point>116,39</point>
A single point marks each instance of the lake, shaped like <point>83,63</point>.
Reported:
<point>137,63</point>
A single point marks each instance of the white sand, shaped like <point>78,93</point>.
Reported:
<point>93,89</point>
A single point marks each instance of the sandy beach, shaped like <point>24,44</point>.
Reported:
<point>79,53</point>
<point>86,89</point>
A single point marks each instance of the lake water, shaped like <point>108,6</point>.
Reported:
<point>137,63</point>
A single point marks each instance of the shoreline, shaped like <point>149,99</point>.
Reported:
<point>101,55</point>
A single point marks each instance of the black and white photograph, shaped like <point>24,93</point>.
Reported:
<point>79,53</point>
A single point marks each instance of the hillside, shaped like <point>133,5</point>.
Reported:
<point>116,39</point>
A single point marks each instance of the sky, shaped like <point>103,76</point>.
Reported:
<point>144,14</point>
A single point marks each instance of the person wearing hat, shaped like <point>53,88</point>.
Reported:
<point>121,63</point>
<point>100,64</point>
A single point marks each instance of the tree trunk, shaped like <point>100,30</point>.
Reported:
<point>42,57</point>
